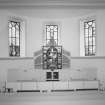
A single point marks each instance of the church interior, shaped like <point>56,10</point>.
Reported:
<point>52,52</point>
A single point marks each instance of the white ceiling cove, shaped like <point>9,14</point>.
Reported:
<point>53,3</point>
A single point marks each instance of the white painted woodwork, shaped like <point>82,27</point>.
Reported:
<point>60,85</point>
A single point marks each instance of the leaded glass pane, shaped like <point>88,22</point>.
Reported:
<point>55,28</point>
<point>14,38</point>
<point>89,29</point>
<point>10,25</point>
<point>56,41</point>
<point>51,27</point>
<point>86,25</point>
<point>94,49</point>
<point>17,41</point>
<point>10,32</point>
<point>48,28</point>
<point>13,31</point>
<point>90,40</point>
<point>51,58</point>
<point>93,25</point>
<point>17,34</point>
<point>55,35</point>
<point>59,50</point>
<point>48,35</point>
<point>90,23</point>
<point>13,23</point>
<point>17,26</point>
<point>52,34</point>
<point>94,31</point>
<point>13,41</point>
<point>94,41</point>
<point>86,32</point>
<point>90,48</point>
<point>47,42</point>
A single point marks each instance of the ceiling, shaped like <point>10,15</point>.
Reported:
<point>54,14</point>
<point>53,3</point>
<point>51,8</point>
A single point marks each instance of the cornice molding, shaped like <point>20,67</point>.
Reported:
<point>89,57</point>
<point>54,5</point>
<point>16,58</point>
<point>32,58</point>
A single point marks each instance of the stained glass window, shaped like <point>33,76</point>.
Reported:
<point>14,38</point>
<point>52,52</point>
<point>51,33</point>
<point>90,38</point>
<point>52,57</point>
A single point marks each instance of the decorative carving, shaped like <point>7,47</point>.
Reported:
<point>52,57</point>
<point>39,64</point>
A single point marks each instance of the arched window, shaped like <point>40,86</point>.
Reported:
<point>16,33</point>
<point>14,38</point>
<point>52,35</point>
<point>52,52</point>
<point>88,37</point>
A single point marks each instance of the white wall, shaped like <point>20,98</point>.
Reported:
<point>69,29</point>
<point>3,35</point>
<point>34,36</point>
<point>5,16</point>
<point>70,41</point>
<point>89,68</point>
<point>100,33</point>
<point>69,33</point>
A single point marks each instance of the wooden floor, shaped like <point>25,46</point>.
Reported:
<point>53,98</point>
